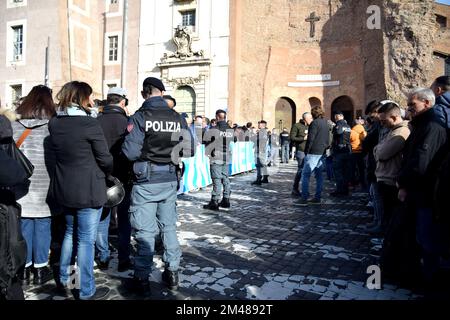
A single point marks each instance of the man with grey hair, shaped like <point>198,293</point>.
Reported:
<point>422,156</point>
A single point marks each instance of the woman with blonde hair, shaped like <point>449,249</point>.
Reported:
<point>82,163</point>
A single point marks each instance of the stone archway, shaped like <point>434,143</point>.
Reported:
<point>346,106</point>
<point>186,100</point>
<point>285,112</point>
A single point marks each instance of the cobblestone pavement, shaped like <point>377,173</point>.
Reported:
<point>265,247</point>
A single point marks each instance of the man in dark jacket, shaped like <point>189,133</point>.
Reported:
<point>114,121</point>
<point>299,135</point>
<point>262,140</point>
<point>423,154</point>
<point>316,145</point>
<point>341,150</point>
<point>285,144</point>
<point>217,140</point>
<point>441,89</point>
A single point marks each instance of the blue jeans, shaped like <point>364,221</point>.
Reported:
<point>153,208</point>
<point>81,226</point>
<point>102,243</point>
<point>312,164</point>
<point>37,234</point>
<point>219,176</point>
<point>300,155</point>
<point>285,153</point>
<point>124,227</point>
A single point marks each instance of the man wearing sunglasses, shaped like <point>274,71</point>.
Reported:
<point>114,121</point>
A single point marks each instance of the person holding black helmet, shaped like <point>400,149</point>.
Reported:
<point>158,138</point>
<point>114,121</point>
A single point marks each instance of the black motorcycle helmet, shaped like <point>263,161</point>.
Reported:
<point>115,192</point>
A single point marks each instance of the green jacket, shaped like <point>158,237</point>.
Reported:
<point>299,134</point>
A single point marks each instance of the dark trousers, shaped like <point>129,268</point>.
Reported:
<point>124,227</point>
<point>13,292</point>
<point>358,170</point>
<point>341,169</point>
<point>388,194</point>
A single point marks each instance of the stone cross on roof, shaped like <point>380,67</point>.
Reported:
<point>312,19</point>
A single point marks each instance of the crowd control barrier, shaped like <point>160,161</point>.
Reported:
<point>196,169</point>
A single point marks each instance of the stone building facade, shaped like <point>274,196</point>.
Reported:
<point>339,54</point>
<point>79,38</point>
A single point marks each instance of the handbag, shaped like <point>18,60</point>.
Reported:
<point>14,152</point>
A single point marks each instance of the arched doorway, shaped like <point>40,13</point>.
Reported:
<point>285,112</point>
<point>185,96</point>
<point>315,102</point>
<point>346,106</point>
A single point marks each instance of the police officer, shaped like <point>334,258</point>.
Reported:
<point>153,144</point>
<point>341,150</point>
<point>262,137</point>
<point>171,102</point>
<point>114,120</point>
<point>217,140</point>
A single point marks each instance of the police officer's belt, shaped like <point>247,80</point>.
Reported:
<point>161,167</point>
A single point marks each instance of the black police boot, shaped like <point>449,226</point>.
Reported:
<point>265,179</point>
<point>42,275</point>
<point>25,275</point>
<point>212,205</point>
<point>257,182</point>
<point>225,203</point>
<point>138,286</point>
<point>170,278</point>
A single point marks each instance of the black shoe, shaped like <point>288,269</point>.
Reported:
<point>103,265</point>
<point>257,182</point>
<point>24,275</point>
<point>225,203</point>
<point>296,193</point>
<point>212,205</point>
<point>265,179</point>
<point>125,266</point>
<point>42,275</point>
<point>171,279</point>
<point>139,286</point>
<point>101,293</point>
<point>303,203</point>
<point>315,201</point>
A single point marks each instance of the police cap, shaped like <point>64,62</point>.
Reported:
<point>220,111</point>
<point>263,121</point>
<point>169,97</point>
<point>154,82</point>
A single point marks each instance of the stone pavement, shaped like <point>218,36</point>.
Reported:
<point>265,247</point>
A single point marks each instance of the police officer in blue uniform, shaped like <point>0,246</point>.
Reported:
<point>341,150</point>
<point>217,141</point>
<point>158,138</point>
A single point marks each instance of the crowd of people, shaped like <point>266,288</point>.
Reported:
<point>60,160</point>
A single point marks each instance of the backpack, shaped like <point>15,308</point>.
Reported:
<point>13,248</point>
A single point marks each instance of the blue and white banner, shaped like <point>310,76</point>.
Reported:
<point>196,169</point>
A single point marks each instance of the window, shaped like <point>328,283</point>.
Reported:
<point>441,20</point>
<point>111,85</point>
<point>188,18</point>
<point>16,92</point>
<point>17,1</point>
<point>17,43</point>
<point>113,1</point>
<point>113,48</point>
